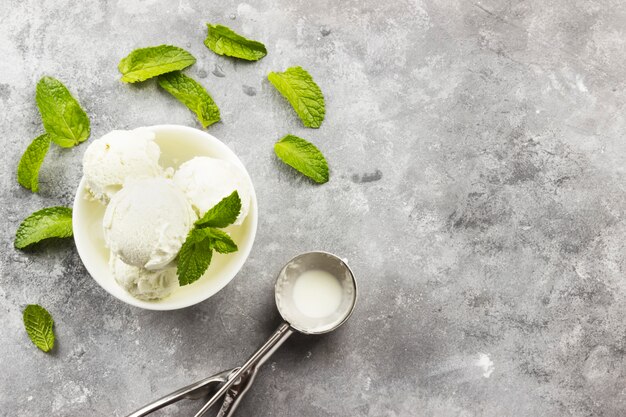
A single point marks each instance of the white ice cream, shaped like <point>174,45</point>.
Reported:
<point>147,221</point>
<point>118,156</point>
<point>206,181</point>
<point>143,283</point>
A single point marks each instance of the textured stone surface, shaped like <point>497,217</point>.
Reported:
<point>477,189</point>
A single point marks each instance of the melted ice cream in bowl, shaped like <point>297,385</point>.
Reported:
<point>140,195</point>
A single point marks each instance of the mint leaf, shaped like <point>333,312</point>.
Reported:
<point>223,41</point>
<point>196,253</point>
<point>306,98</point>
<point>28,168</point>
<point>38,323</point>
<point>63,118</point>
<point>145,63</point>
<point>223,213</point>
<point>189,92</point>
<point>194,257</point>
<point>44,224</point>
<point>302,156</point>
<point>221,241</point>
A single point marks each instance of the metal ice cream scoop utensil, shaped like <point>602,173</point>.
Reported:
<point>230,386</point>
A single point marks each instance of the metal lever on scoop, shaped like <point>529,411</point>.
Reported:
<point>194,391</point>
<point>233,384</point>
<point>233,397</point>
<point>257,359</point>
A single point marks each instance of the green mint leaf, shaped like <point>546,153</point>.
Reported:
<point>189,92</point>
<point>63,118</point>
<point>302,156</point>
<point>145,63</point>
<point>306,98</point>
<point>44,224</point>
<point>38,323</point>
<point>221,241</point>
<point>28,168</point>
<point>223,41</point>
<point>194,257</point>
<point>223,213</point>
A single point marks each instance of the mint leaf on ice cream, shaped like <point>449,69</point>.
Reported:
<point>38,323</point>
<point>223,213</point>
<point>145,63</point>
<point>223,41</point>
<point>196,253</point>
<point>221,241</point>
<point>63,118</point>
<point>194,257</point>
<point>189,92</point>
<point>46,223</point>
<point>28,168</point>
<point>303,156</point>
<point>304,95</point>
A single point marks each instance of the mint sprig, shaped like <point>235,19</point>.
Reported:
<point>144,63</point>
<point>28,168</point>
<point>196,253</point>
<point>304,95</point>
<point>303,156</point>
<point>38,323</point>
<point>63,118</point>
<point>223,41</point>
<point>46,223</point>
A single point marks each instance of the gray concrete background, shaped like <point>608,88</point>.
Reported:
<point>477,189</point>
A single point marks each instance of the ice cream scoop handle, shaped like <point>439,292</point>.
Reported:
<point>200,388</point>
<point>258,358</point>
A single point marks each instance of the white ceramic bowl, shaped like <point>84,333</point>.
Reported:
<point>178,144</point>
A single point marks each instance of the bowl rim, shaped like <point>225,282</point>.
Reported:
<point>195,297</point>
